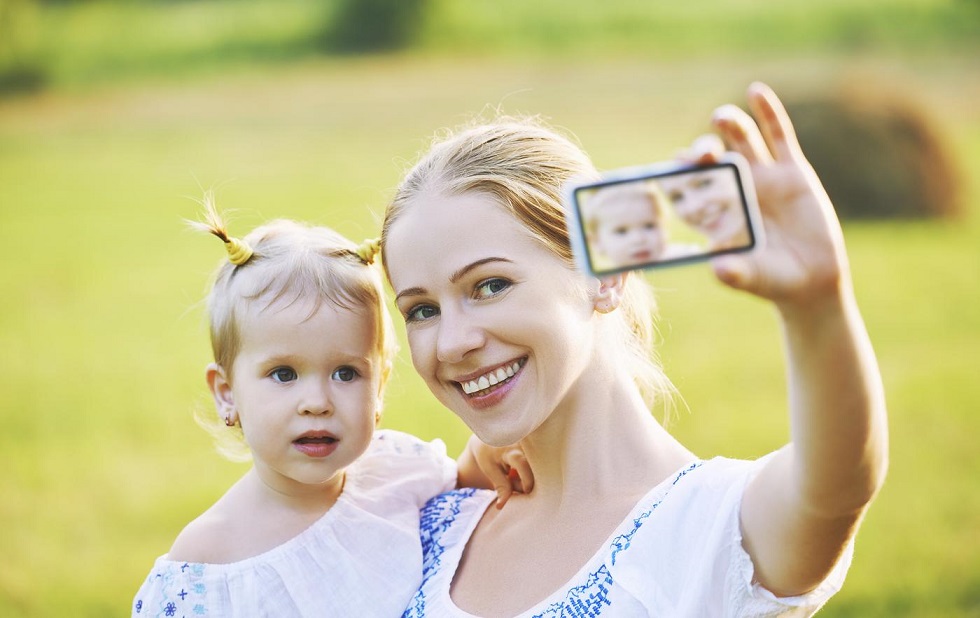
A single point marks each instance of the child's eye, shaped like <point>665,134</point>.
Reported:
<point>491,287</point>
<point>703,182</point>
<point>676,196</point>
<point>620,231</point>
<point>344,374</point>
<point>283,374</point>
<point>650,226</point>
<point>420,313</point>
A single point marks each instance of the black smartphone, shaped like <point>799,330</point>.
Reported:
<point>662,215</point>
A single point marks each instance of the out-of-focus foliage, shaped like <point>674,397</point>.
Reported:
<point>83,42</point>
<point>878,153</point>
<point>20,69</point>
<point>375,25</point>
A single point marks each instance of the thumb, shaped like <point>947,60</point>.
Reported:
<point>736,271</point>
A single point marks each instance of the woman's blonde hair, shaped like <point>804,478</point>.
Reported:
<point>288,261</point>
<point>523,164</point>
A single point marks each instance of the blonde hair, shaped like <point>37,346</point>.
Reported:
<point>288,261</point>
<point>523,164</point>
<point>609,194</point>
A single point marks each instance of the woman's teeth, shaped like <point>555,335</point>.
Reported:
<point>491,378</point>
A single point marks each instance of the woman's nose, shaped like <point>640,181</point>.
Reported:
<point>458,335</point>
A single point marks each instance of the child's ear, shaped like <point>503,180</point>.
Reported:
<point>224,399</point>
<point>610,292</point>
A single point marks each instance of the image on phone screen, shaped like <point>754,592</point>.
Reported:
<point>663,218</point>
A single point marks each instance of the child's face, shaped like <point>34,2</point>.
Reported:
<point>709,201</point>
<point>306,390</point>
<point>628,231</point>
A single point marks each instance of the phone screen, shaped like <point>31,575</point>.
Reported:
<point>665,217</point>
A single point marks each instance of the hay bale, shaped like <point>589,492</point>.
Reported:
<point>878,156</point>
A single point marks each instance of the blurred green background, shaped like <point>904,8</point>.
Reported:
<point>116,116</point>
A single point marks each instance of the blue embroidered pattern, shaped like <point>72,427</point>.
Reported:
<point>177,589</point>
<point>587,600</point>
<point>437,516</point>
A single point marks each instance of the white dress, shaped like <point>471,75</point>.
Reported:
<point>678,554</point>
<point>362,558</point>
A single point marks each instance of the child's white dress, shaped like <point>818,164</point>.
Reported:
<point>362,558</point>
<point>677,554</point>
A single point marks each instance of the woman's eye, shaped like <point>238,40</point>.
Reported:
<point>703,183</point>
<point>676,196</point>
<point>491,287</point>
<point>283,374</point>
<point>344,374</point>
<point>419,313</point>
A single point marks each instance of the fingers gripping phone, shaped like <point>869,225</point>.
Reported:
<point>662,215</point>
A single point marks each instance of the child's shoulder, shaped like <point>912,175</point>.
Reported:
<point>209,539</point>
<point>404,464</point>
<point>399,443</point>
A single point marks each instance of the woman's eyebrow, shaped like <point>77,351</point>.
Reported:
<point>453,278</point>
<point>410,292</point>
<point>456,276</point>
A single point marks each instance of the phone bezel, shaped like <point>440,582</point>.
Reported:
<point>575,219</point>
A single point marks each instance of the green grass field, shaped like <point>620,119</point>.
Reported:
<point>103,338</point>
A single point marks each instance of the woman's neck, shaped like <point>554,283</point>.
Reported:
<point>601,441</point>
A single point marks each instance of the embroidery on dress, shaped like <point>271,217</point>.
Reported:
<point>591,598</point>
<point>181,588</point>
<point>438,515</point>
<point>622,542</point>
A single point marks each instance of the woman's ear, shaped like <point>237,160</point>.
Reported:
<point>610,292</point>
<point>224,399</point>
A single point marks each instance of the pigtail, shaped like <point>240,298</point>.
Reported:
<point>239,251</point>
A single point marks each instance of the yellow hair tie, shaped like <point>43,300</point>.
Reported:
<point>238,251</point>
<point>368,249</point>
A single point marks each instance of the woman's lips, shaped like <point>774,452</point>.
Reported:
<point>490,380</point>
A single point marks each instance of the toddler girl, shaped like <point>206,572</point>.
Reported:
<point>326,522</point>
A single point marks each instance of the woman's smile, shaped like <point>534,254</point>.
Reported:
<point>487,381</point>
<point>499,327</point>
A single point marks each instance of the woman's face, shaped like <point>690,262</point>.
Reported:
<point>500,329</point>
<point>708,201</point>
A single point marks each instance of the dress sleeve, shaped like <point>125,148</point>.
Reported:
<point>750,599</point>
<point>404,464</point>
<point>175,589</point>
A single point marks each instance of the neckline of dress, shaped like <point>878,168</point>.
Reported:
<point>604,551</point>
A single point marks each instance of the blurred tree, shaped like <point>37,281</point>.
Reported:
<point>20,69</point>
<point>879,155</point>
<point>375,25</point>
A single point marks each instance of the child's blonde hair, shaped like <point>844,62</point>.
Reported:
<point>522,165</point>
<point>609,194</point>
<point>284,260</point>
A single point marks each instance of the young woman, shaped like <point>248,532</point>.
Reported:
<point>624,520</point>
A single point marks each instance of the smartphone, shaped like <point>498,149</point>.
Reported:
<point>663,214</point>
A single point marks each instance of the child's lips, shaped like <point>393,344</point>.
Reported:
<point>316,443</point>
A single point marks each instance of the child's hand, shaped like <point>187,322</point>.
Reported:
<point>803,258</point>
<point>505,468</point>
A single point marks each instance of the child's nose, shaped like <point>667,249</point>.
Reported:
<point>316,398</point>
